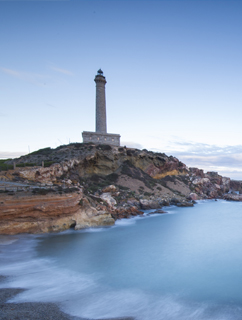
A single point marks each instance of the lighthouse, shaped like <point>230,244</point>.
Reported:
<point>100,136</point>
<point>101,121</point>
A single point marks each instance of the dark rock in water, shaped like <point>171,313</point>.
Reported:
<point>184,204</point>
<point>193,196</point>
<point>165,203</point>
<point>233,197</point>
<point>126,212</point>
<point>158,211</point>
<point>149,204</point>
<point>174,201</point>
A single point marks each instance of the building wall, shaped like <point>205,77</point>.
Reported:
<point>101,138</point>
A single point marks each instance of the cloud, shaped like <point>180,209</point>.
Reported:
<point>211,157</point>
<point>227,160</point>
<point>64,71</point>
<point>204,149</point>
<point>9,154</point>
<point>11,72</point>
<point>220,162</point>
<point>50,105</point>
<point>33,78</point>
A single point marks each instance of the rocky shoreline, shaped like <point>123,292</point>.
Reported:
<point>86,185</point>
<point>28,310</point>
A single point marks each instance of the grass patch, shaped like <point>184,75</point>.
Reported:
<point>44,151</point>
<point>48,163</point>
<point>4,166</point>
<point>26,164</point>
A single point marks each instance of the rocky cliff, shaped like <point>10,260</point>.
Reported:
<point>24,212</point>
<point>82,185</point>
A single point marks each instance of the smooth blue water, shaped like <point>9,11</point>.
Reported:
<point>186,264</point>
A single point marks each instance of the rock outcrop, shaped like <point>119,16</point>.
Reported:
<point>25,212</point>
<point>109,183</point>
<point>233,197</point>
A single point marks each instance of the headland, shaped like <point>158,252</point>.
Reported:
<point>83,185</point>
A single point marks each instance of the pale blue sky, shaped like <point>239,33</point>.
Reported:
<point>173,71</point>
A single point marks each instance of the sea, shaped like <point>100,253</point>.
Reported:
<point>184,264</point>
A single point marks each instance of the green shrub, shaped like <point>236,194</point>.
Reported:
<point>44,151</point>
<point>48,163</point>
<point>26,164</point>
<point>4,166</point>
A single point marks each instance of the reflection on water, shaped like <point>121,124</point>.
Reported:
<point>182,265</point>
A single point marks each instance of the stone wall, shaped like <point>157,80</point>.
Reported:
<point>101,138</point>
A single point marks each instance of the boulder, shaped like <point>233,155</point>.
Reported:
<point>100,220</point>
<point>184,204</point>
<point>126,212</point>
<point>158,211</point>
<point>201,181</point>
<point>193,196</point>
<point>149,204</point>
<point>233,197</point>
<point>109,189</point>
<point>108,198</point>
<point>197,172</point>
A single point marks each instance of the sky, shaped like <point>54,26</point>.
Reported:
<point>173,71</point>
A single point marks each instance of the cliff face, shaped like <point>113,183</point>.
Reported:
<point>86,160</point>
<point>25,212</point>
<point>111,182</point>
